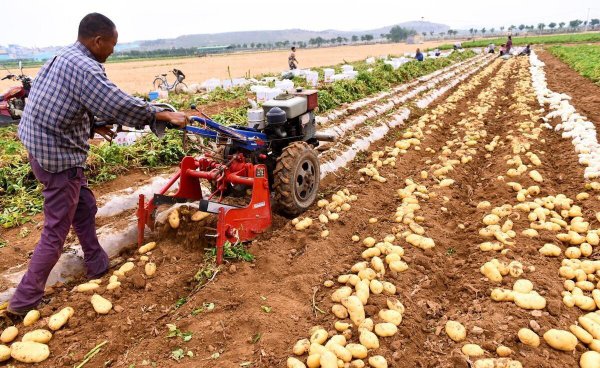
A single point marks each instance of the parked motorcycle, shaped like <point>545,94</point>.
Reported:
<point>12,102</point>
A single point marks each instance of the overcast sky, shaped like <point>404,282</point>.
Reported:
<point>54,22</point>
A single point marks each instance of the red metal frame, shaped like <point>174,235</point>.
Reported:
<point>234,224</point>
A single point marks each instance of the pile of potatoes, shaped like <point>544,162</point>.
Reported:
<point>522,295</point>
<point>410,195</point>
<point>33,347</point>
<point>340,203</point>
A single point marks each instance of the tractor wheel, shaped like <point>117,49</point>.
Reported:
<point>296,178</point>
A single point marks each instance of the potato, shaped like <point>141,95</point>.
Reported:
<point>340,352</point>
<point>316,349</point>
<point>398,266</point>
<point>550,250</point>
<point>355,309</point>
<point>113,285</point>
<point>367,324</point>
<point>491,271</point>
<point>368,339</point>
<point>528,337</point>
<point>358,351</point>
<point>391,316</point>
<point>31,317</point>
<point>29,352</point>
<point>174,219</point>
<point>147,247</point>
<point>523,286</point>
<point>319,336</point>
<point>199,216</point>
<point>472,350</point>
<point>503,351</point>
<point>9,334</point>
<point>589,359</point>
<point>328,360</point>
<point>385,329</point>
<point>530,301</point>
<point>126,267</point>
<point>388,288</point>
<point>536,176</point>
<point>590,326</point>
<point>377,361</point>
<point>339,311</point>
<point>456,331</point>
<point>560,339</point>
<point>342,326</point>
<point>4,353</point>
<point>301,347</point>
<point>376,286</point>
<point>294,363</point>
<point>150,269</point>
<point>88,286</point>
<point>581,334</point>
<point>395,304</point>
<point>339,294</point>
<point>100,304</point>
<point>336,339</point>
<point>313,360</point>
<point>41,336</point>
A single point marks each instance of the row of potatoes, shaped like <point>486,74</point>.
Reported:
<point>33,347</point>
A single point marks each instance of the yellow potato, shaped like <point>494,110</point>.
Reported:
<point>368,339</point>
<point>395,304</point>
<point>530,301</point>
<point>301,347</point>
<point>497,363</point>
<point>340,352</point>
<point>342,326</point>
<point>358,351</point>
<point>581,334</point>
<point>341,293</point>
<point>41,336</point>
<point>456,331</point>
<point>313,360</point>
<point>590,359</point>
<point>339,311</point>
<point>100,304</point>
<point>590,326</point>
<point>560,339</point>
<point>113,285</point>
<point>59,319</point>
<point>503,351</point>
<point>472,350</point>
<point>528,337</point>
<point>31,317</point>
<point>29,352</point>
<point>328,360</point>
<point>385,329</point>
<point>294,363</point>
<point>88,286</point>
<point>367,324</point>
<point>199,216</point>
<point>355,309</point>
<point>377,361</point>
<point>150,269</point>
<point>4,353</point>
<point>126,267</point>
<point>147,247</point>
<point>391,316</point>
<point>174,219</point>
<point>376,286</point>
<point>9,334</point>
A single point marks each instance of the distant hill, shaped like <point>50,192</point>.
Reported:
<point>198,40</point>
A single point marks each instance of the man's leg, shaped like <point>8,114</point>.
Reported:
<point>61,194</point>
<point>84,223</point>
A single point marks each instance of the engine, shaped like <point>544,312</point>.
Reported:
<point>287,118</point>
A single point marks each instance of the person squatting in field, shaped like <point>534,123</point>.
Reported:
<point>68,92</point>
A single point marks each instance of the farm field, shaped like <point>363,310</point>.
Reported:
<point>534,40</point>
<point>137,76</point>
<point>585,59</point>
<point>469,232</point>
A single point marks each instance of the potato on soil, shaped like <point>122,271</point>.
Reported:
<point>294,363</point>
<point>150,269</point>
<point>358,351</point>
<point>174,219</point>
<point>9,334</point>
<point>368,339</point>
<point>590,359</point>
<point>456,331</point>
<point>560,339</point>
<point>4,353</point>
<point>377,361</point>
<point>59,319</point>
<point>31,317</point>
<point>472,350</point>
<point>328,360</point>
<point>497,363</point>
<point>528,337</point>
<point>147,248</point>
<point>29,352</point>
<point>301,347</point>
<point>100,304</point>
<point>42,336</point>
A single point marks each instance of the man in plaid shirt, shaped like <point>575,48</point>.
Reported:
<point>55,128</point>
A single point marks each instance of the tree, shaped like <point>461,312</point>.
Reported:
<point>245,45</point>
<point>252,45</point>
<point>594,22</point>
<point>354,38</point>
<point>442,34</point>
<point>424,34</point>
<point>339,39</point>
<point>483,30</point>
<point>502,29</point>
<point>474,31</point>
<point>512,27</point>
<point>431,33</point>
<point>575,23</point>
<point>521,27</point>
<point>398,34</point>
<point>471,30</point>
<point>561,24</point>
<point>492,30</point>
<point>552,25</point>
<point>368,37</point>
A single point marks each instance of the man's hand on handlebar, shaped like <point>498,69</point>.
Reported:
<point>178,119</point>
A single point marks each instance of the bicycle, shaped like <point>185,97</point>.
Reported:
<point>161,83</point>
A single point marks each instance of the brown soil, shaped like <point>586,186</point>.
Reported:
<point>262,308</point>
<point>562,79</point>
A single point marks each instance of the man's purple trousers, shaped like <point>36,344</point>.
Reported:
<point>67,201</point>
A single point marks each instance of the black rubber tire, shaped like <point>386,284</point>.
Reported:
<point>296,178</point>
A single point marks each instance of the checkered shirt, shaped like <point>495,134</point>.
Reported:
<point>55,127</point>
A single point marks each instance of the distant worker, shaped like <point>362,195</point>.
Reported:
<point>502,50</point>
<point>491,48</point>
<point>67,93</point>
<point>292,61</point>
<point>526,50</point>
<point>419,55</point>
<point>437,52</point>
<point>509,44</point>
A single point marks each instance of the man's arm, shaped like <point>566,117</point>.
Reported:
<point>105,100</point>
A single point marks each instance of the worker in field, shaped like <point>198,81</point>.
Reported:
<point>292,61</point>
<point>508,44</point>
<point>67,93</point>
<point>419,55</point>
